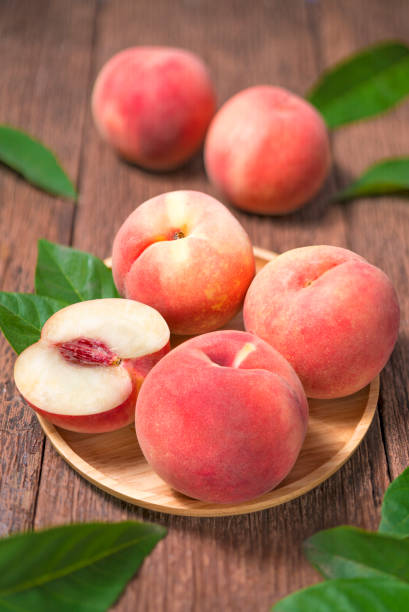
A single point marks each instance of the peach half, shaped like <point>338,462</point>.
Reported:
<point>85,372</point>
<point>333,315</point>
<point>222,417</point>
<point>184,254</point>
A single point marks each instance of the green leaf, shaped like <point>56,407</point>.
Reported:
<point>348,552</point>
<point>35,162</point>
<point>22,316</point>
<point>363,85</point>
<point>70,275</point>
<point>76,567</point>
<point>390,176</point>
<point>395,507</point>
<point>370,571</point>
<point>349,595</point>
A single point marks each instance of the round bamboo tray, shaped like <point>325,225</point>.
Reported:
<point>114,462</point>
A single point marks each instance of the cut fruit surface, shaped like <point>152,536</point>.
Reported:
<point>88,352</point>
<point>128,328</point>
<point>53,384</point>
<point>85,372</point>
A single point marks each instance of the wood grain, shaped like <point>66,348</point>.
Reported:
<point>235,563</point>
<point>377,228</point>
<point>45,49</point>
<point>51,52</point>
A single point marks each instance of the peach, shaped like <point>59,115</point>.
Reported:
<point>333,315</point>
<point>184,254</point>
<point>222,417</point>
<point>85,372</point>
<point>154,104</point>
<point>267,150</point>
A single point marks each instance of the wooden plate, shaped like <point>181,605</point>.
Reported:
<point>113,461</point>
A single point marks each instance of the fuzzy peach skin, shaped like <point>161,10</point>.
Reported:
<point>186,255</point>
<point>267,150</point>
<point>85,372</point>
<point>154,104</point>
<point>222,417</point>
<point>333,315</point>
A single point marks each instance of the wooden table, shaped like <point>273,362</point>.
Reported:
<point>50,54</point>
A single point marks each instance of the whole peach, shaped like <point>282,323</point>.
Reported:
<point>222,417</point>
<point>186,255</point>
<point>267,150</point>
<point>154,104</point>
<point>334,316</point>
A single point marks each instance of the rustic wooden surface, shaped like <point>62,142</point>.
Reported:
<point>51,51</point>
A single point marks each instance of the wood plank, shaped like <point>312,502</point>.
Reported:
<point>250,561</point>
<point>45,69</point>
<point>377,229</point>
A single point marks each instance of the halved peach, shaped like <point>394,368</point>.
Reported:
<point>85,372</point>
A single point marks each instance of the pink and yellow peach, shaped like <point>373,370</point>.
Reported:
<point>154,104</point>
<point>187,256</point>
<point>267,150</point>
<point>222,417</point>
<point>334,316</point>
